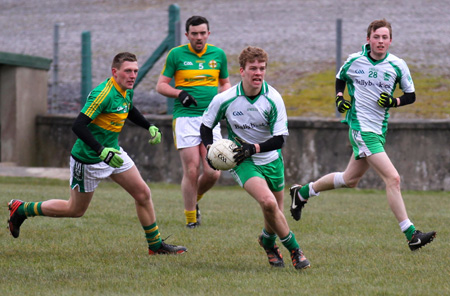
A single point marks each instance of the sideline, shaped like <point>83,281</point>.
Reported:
<point>12,170</point>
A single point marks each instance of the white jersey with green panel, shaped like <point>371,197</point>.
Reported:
<point>108,106</point>
<point>366,80</point>
<point>254,121</point>
<point>196,73</point>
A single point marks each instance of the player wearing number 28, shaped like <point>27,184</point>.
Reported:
<point>199,71</point>
<point>97,155</point>
<point>371,76</point>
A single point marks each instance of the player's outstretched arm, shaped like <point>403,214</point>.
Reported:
<point>137,118</point>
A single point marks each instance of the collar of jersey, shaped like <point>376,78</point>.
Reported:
<point>199,54</point>
<point>365,52</point>
<point>240,91</point>
<point>119,89</point>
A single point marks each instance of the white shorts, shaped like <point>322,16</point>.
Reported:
<point>88,176</point>
<point>186,132</point>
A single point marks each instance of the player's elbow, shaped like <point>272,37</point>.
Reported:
<point>159,88</point>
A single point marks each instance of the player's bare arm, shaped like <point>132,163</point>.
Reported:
<point>163,87</point>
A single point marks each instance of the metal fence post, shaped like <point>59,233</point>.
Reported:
<point>55,70</point>
<point>173,40</point>
<point>86,70</point>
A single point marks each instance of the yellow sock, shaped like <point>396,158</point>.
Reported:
<point>199,197</point>
<point>190,216</point>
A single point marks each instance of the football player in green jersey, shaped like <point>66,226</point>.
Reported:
<point>371,76</point>
<point>199,71</point>
<point>97,155</point>
<point>257,121</point>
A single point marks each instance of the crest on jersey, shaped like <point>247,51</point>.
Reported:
<point>212,64</point>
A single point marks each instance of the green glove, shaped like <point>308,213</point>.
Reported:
<point>155,135</point>
<point>342,105</point>
<point>110,156</point>
<point>386,100</point>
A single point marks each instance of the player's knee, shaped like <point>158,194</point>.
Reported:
<point>213,175</point>
<point>191,173</point>
<point>78,213</point>
<point>393,181</point>
<point>342,180</point>
<point>143,196</point>
<point>352,183</point>
<point>269,205</point>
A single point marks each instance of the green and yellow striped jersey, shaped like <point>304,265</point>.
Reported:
<point>108,106</point>
<point>196,73</point>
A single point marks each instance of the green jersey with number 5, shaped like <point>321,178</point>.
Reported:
<point>196,73</point>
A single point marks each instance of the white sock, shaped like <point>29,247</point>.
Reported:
<point>405,224</point>
<point>339,180</point>
<point>311,190</point>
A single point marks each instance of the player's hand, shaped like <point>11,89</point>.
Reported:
<point>111,157</point>
<point>342,105</point>
<point>386,100</point>
<point>245,150</point>
<point>186,99</point>
<point>155,135</point>
<point>207,159</point>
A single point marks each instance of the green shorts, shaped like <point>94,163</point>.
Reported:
<point>366,143</point>
<point>272,172</point>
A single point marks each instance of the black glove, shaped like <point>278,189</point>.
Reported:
<point>207,159</point>
<point>186,99</point>
<point>342,105</point>
<point>386,100</point>
<point>245,150</point>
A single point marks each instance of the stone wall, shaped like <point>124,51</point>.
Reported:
<point>418,149</point>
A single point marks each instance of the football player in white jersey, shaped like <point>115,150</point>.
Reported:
<point>371,76</point>
<point>256,120</point>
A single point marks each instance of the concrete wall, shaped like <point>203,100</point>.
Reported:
<point>420,150</point>
<point>23,95</point>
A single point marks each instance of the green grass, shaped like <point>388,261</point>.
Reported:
<point>350,236</point>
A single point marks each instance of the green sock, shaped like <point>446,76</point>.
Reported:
<point>268,240</point>
<point>153,237</point>
<point>304,191</point>
<point>30,209</point>
<point>409,232</point>
<point>290,242</point>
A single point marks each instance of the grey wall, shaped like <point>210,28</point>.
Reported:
<point>19,87</point>
<point>23,95</point>
<point>418,149</point>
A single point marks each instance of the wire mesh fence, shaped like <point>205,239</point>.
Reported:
<point>300,36</point>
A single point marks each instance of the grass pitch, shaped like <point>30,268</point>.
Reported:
<point>350,236</point>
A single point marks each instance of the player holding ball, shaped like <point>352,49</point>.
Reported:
<point>257,122</point>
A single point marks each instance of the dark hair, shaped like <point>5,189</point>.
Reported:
<point>122,57</point>
<point>251,54</point>
<point>376,24</point>
<point>196,20</point>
